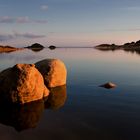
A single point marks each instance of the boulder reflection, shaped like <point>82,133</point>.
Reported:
<point>27,116</point>
<point>36,49</point>
<point>22,117</point>
<point>57,97</point>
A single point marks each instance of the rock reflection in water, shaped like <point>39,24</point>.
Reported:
<point>133,51</point>
<point>23,116</point>
<point>36,49</point>
<point>56,98</point>
<point>26,116</point>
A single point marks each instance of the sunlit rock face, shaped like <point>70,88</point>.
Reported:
<point>56,98</point>
<point>21,84</point>
<point>53,71</point>
<point>22,117</point>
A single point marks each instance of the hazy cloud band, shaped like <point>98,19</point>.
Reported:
<point>20,20</point>
<point>6,37</point>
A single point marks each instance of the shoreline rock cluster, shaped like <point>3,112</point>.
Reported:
<point>34,47</point>
<point>24,83</point>
<point>133,46</point>
<point>8,49</point>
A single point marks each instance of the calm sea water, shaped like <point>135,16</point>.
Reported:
<point>88,112</point>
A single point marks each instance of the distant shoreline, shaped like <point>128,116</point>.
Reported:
<point>7,49</point>
<point>133,46</point>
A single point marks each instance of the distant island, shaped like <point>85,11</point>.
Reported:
<point>133,46</point>
<point>35,47</point>
<point>38,47</point>
<point>52,47</point>
<point>8,49</point>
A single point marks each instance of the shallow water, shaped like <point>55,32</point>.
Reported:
<point>90,112</point>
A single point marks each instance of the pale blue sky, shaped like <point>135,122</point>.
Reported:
<point>69,22</point>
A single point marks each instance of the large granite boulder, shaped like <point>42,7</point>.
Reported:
<point>21,84</point>
<point>53,71</point>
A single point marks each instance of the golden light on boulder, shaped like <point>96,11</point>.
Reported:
<point>22,83</point>
<point>53,71</point>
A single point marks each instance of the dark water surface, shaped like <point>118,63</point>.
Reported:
<point>90,112</point>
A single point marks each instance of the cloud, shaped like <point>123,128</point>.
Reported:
<point>132,8</point>
<point>40,21</point>
<point>122,30</point>
<point>15,35</point>
<point>23,20</point>
<point>28,35</point>
<point>44,7</point>
<point>6,37</point>
<point>20,20</point>
<point>7,19</point>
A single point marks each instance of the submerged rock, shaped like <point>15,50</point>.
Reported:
<point>21,84</point>
<point>108,85</point>
<point>53,71</point>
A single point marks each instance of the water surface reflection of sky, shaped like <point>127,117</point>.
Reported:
<point>90,112</point>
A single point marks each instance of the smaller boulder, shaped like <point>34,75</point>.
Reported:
<point>53,71</point>
<point>108,85</point>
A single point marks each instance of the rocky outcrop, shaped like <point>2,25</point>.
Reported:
<point>25,83</point>
<point>36,47</point>
<point>129,46</point>
<point>7,49</point>
<point>23,92</point>
<point>108,85</point>
<point>53,71</point>
<point>21,84</point>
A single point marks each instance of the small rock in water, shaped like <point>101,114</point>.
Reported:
<point>108,85</point>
